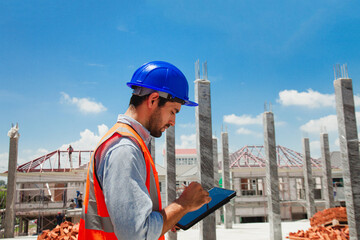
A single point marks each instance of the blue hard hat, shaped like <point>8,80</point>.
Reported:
<point>164,77</point>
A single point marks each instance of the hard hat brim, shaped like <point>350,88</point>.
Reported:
<point>190,103</point>
<point>187,102</point>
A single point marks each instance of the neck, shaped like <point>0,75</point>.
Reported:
<point>136,114</point>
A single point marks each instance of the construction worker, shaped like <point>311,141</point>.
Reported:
<point>122,198</point>
<point>59,218</point>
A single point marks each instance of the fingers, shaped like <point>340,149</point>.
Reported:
<point>194,196</point>
<point>175,228</point>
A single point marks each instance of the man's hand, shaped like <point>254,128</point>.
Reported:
<point>193,197</point>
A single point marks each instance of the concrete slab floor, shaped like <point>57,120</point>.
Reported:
<point>253,231</point>
<point>245,231</point>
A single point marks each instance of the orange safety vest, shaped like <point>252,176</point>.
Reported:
<point>95,223</point>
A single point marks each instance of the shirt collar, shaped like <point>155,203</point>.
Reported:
<point>139,128</point>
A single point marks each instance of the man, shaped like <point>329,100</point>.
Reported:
<point>122,199</point>
<point>59,218</point>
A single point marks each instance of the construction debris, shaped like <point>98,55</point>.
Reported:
<point>323,233</point>
<point>329,224</point>
<point>66,231</point>
<point>329,216</point>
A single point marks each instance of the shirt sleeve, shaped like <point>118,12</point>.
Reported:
<point>123,176</point>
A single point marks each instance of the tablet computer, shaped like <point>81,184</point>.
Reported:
<point>219,197</point>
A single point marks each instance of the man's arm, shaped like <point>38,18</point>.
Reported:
<point>127,199</point>
<point>193,197</point>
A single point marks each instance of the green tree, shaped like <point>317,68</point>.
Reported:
<point>2,198</point>
<point>2,183</point>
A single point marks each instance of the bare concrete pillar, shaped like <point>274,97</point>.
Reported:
<point>152,148</point>
<point>226,177</point>
<point>272,178</point>
<point>308,180</point>
<point>170,172</point>
<point>216,176</point>
<point>216,162</point>
<point>11,182</point>
<point>205,150</point>
<point>349,148</point>
<point>327,183</point>
<point>21,226</point>
<point>26,226</point>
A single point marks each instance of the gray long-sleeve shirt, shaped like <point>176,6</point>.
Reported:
<point>122,175</point>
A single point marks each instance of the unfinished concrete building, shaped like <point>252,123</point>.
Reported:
<point>248,179</point>
<point>51,184</point>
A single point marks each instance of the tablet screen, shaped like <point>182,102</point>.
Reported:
<point>219,197</point>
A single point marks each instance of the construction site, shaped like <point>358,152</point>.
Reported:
<point>273,183</point>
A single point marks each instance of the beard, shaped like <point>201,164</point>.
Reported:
<point>155,124</point>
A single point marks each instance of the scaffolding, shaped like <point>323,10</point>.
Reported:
<point>46,186</point>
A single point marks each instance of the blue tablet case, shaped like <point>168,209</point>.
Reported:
<point>219,197</point>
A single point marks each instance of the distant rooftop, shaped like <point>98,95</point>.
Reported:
<point>254,157</point>
<point>183,151</point>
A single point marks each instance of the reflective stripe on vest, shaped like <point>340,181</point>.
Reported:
<point>96,222</point>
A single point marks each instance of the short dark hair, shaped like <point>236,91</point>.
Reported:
<point>136,100</point>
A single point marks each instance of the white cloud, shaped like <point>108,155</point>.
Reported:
<point>327,123</point>
<point>316,125</point>
<point>310,99</point>
<point>4,161</point>
<point>85,105</point>
<point>28,154</point>
<point>88,140</point>
<point>243,119</point>
<point>245,131</point>
<point>357,100</point>
<point>187,141</point>
<point>24,156</point>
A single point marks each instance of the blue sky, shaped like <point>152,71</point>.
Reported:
<point>64,66</point>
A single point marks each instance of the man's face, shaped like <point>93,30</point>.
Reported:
<point>163,117</point>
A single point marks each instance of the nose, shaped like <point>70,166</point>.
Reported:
<point>172,121</point>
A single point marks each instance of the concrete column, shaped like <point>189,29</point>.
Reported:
<point>216,162</point>
<point>205,150</point>
<point>152,148</point>
<point>226,177</point>
<point>216,176</point>
<point>308,180</point>
<point>349,148</point>
<point>11,182</point>
<point>327,183</point>
<point>237,187</point>
<point>272,178</point>
<point>26,226</point>
<point>21,226</point>
<point>170,171</point>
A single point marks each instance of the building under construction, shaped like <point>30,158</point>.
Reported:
<point>55,182</point>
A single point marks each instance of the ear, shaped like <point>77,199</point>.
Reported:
<point>152,100</point>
